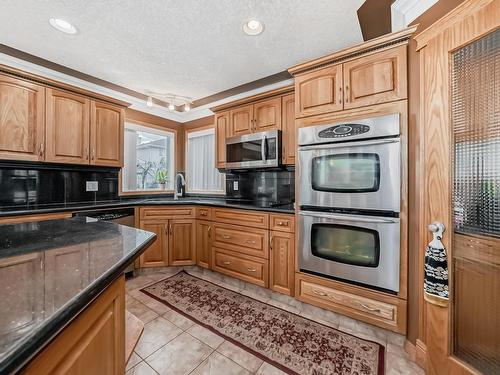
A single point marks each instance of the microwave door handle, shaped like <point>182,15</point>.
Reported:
<point>345,144</point>
<point>263,151</point>
<point>349,218</point>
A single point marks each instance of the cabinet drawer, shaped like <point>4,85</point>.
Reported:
<point>282,223</point>
<point>247,268</point>
<point>243,240</point>
<point>166,213</point>
<point>203,213</point>
<point>242,217</point>
<point>382,310</point>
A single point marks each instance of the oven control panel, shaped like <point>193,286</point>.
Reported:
<point>343,130</point>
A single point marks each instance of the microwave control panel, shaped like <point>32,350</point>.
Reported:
<point>343,130</point>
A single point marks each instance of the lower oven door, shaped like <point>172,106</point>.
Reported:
<point>353,248</point>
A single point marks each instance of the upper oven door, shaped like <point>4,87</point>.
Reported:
<point>361,175</point>
<point>361,249</point>
<point>258,150</point>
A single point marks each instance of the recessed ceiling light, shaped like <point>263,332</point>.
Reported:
<point>62,25</point>
<point>253,27</point>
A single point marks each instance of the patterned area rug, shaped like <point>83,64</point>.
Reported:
<point>290,342</point>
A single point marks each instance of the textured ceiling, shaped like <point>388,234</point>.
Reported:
<point>187,47</point>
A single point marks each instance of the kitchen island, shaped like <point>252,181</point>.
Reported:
<point>63,279</point>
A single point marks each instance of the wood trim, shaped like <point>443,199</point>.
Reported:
<point>147,119</point>
<point>31,218</point>
<point>254,98</point>
<point>374,45</point>
<point>198,123</point>
<point>421,354</point>
<point>18,73</point>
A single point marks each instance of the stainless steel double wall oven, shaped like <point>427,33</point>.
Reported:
<point>349,198</point>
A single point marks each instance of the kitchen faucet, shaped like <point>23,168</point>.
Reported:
<point>178,187</point>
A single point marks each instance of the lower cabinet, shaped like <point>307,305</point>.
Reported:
<point>157,253</point>
<point>282,262</point>
<point>203,243</point>
<point>94,343</point>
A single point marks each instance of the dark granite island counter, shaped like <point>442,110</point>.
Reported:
<point>50,271</point>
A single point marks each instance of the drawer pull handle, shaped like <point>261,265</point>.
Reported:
<point>251,269</point>
<point>226,262</point>
<point>282,223</point>
<point>203,213</point>
<point>319,293</point>
<point>369,308</point>
<point>226,237</point>
<point>251,242</point>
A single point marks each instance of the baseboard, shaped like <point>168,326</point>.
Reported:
<point>417,352</point>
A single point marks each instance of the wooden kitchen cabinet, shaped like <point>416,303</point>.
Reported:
<point>181,242</point>
<point>222,132</point>
<point>319,91</point>
<point>106,134</point>
<point>267,115</point>
<point>288,136</point>
<point>282,262</point>
<point>94,343</point>
<point>241,120</point>
<point>376,78</point>
<point>22,123</point>
<point>203,243</point>
<point>156,254</point>
<point>67,126</point>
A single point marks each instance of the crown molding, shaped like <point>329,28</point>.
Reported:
<point>403,12</point>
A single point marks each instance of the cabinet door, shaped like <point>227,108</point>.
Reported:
<point>156,255</point>
<point>21,278</point>
<point>22,108</point>
<point>289,144</point>
<point>319,91</point>
<point>59,263</point>
<point>182,250</point>
<point>67,127</point>
<point>376,78</point>
<point>106,134</point>
<point>282,262</point>
<point>241,120</point>
<point>222,131</point>
<point>267,114</point>
<point>203,243</point>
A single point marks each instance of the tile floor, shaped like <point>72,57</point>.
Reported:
<point>174,345</point>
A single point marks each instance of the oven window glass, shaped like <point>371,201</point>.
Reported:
<point>346,244</point>
<point>250,151</point>
<point>346,173</point>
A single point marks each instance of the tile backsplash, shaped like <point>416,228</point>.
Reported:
<point>276,186</point>
<point>33,184</point>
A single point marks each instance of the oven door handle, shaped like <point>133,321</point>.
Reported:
<point>344,144</point>
<point>358,219</point>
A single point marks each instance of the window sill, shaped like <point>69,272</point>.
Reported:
<point>205,192</point>
<point>145,192</point>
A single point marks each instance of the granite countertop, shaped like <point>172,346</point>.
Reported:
<point>50,271</point>
<point>218,202</point>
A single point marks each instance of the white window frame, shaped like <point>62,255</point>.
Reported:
<point>186,158</point>
<point>159,130</point>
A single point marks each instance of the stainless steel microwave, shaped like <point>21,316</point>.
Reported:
<point>257,150</point>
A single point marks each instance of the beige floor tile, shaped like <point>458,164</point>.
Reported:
<point>178,319</point>
<point>134,359</point>
<point>267,369</point>
<point>363,330</point>
<point>153,304</point>
<point>138,282</point>
<point>141,369</point>
<point>320,315</point>
<point>400,365</point>
<point>217,364</point>
<point>240,356</point>
<point>180,356</point>
<point>283,306</point>
<point>205,335</point>
<point>156,333</point>
<point>283,298</point>
<point>141,311</point>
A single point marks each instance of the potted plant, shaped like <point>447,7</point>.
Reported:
<point>161,177</point>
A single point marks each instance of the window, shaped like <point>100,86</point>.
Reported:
<point>202,175</point>
<point>148,159</point>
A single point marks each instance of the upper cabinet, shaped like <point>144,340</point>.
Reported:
<point>22,108</point>
<point>288,137</point>
<point>375,78</point>
<point>67,127</point>
<point>267,114</point>
<point>319,91</point>
<point>241,120</point>
<point>221,133</point>
<point>106,134</point>
<point>39,123</point>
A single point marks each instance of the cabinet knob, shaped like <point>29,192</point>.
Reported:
<point>251,242</point>
<point>251,270</point>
